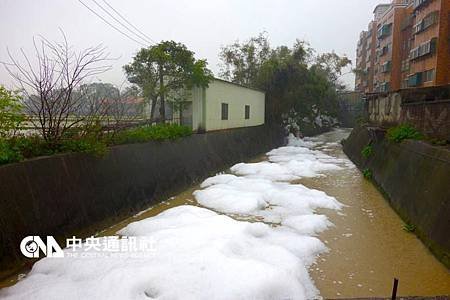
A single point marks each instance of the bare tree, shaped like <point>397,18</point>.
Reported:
<point>94,112</point>
<point>50,86</point>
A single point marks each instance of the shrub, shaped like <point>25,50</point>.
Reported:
<point>84,140</point>
<point>367,173</point>
<point>87,139</point>
<point>84,145</point>
<point>151,133</point>
<point>8,154</point>
<point>31,146</point>
<point>11,116</point>
<point>19,148</point>
<point>403,132</point>
<point>367,151</point>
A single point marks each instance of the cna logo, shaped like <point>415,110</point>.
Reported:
<point>31,245</point>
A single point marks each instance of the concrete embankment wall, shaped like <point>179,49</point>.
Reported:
<point>64,194</point>
<point>415,178</point>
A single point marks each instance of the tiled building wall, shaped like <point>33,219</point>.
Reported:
<point>417,55</point>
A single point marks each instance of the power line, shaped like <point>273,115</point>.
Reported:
<point>106,21</point>
<point>125,19</point>
<point>123,25</point>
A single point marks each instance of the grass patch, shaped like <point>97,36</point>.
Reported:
<point>367,173</point>
<point>409,228</point>
<point>367,151</point>
<point>403,132</point>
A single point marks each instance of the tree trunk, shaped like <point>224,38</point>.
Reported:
<point>152,109</point>
<point>162,109</point>
<point>181,113</point>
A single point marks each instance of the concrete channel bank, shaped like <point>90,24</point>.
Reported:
<point>65,194</point>
<point>415,178</point>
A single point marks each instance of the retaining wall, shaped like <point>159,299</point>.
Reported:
<point>427,109</point>
<point>61,195</point>
<point>415,178</point>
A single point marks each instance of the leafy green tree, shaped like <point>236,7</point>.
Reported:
<point>301,87</point>
<point>164,70</point>
<point>241,62</point>
<point>11,116</point>
<point>331,65</point>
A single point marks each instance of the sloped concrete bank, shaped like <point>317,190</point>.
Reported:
<point>65,194</point>
<point>415,178</point>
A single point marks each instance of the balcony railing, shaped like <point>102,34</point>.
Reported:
<point>425,49</point>
<point>420,3</point>
<point>431,19</point>
<point>384,31</point>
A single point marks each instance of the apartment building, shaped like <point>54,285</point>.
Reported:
<point>366,53</point>
<point>406,42</point>
<point>429,55</point>
<point>389,49</point>
<point>407,45</point>
<point>361,63</point>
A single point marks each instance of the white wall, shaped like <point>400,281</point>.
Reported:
<point>236,97</point>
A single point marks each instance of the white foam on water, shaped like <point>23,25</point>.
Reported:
<point>201,254</point>
<point>198,255</point>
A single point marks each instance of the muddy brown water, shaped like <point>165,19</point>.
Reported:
<point>368,245</point>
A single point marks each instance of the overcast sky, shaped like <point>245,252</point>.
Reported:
<point>203,25</point>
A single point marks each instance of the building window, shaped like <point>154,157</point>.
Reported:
<point>427,48</point>
<point>405,65</point>
<point>384,31</point>
<point>404,84</point>
<point>247,112</point>
<point>386,67</point>
<point>224,111</point>
<point>428,75</point>
<point>431,19</point>
<point>415,80</point>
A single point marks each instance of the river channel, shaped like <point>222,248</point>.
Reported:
<point>367,244</point>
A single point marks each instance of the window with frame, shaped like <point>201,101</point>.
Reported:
<point>431,19</point>
<point>224,111</point>
<point>428,75</point>
<point>386,67</point>
<point>405,65</point>
<point>424,49</point>
<point>247,112</point>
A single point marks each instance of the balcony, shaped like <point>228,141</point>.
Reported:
<point>425,23</point>
<point>425,49</point>
<point>385,87</point>
<point>386,67</point>
<point>384,31</point>
<point>420,3</point>
<point>415,80</point>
